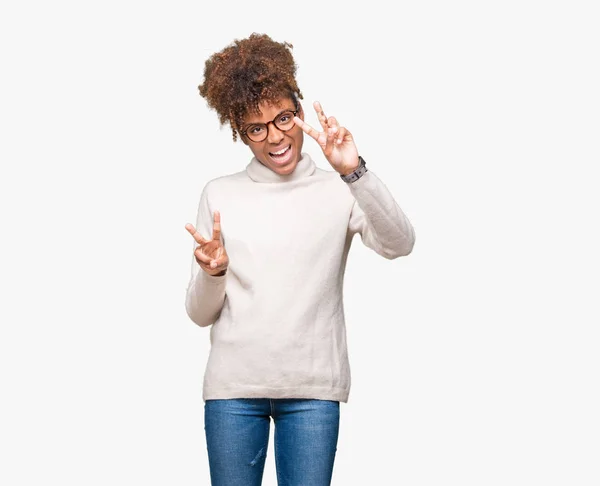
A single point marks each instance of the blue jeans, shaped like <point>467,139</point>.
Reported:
<point>237,436</point>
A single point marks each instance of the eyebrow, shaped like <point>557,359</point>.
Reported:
<point>262,123</point>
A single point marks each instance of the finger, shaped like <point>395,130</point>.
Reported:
<point>347,135</point>
<point>217,226</point>
<point>220,262</point>
<point>306,128</point>
<point>320,115</point>
<point>341,134</point>
<point>201,258</point>
<point>331,132</point>
<point>194,232</point>
<point>332,122</point>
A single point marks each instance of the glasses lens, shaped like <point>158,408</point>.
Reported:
<point>285,121</point>
<point>256,133</point>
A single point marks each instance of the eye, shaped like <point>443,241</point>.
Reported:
<point>255,129</point>
<point>285,117</point>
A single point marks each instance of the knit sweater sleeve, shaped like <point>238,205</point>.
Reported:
<point>383,226</point>
<point>205,294</point>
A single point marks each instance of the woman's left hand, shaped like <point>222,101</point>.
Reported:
<point>336,142</point>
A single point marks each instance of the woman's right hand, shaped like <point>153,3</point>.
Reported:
<point>210,254</point>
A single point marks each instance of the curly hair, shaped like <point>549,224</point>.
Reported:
<point>246,73</point>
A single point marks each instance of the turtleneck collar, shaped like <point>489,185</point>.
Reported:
<point>261,173</point>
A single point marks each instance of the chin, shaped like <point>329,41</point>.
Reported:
<point>286,168</point>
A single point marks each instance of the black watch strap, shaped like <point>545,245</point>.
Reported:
<point>358,173</point>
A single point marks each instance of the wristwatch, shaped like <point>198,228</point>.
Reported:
<point>358,173</point>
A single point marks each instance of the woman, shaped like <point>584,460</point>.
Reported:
<point>269,281</point>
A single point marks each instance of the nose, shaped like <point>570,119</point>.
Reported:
<point>274,135</point>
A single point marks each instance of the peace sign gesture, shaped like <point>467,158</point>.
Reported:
<point>336,142</point>
<point>211,254</point>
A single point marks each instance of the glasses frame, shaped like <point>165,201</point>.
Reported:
<point>245,134</point>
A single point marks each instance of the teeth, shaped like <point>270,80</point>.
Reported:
<point>280,152</point>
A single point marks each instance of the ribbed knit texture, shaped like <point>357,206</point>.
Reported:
<point>277,327</point>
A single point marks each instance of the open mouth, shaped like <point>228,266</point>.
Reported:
<point>282,156</point>
<point>281,153</point>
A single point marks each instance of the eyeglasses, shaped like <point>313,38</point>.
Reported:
<point>257,132</point>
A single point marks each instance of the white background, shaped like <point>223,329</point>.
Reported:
<point>474,359</point>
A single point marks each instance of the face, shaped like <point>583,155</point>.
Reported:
<point>281,150</point>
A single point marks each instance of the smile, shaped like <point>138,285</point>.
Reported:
<point>282,157</point>
<point>280,153</point>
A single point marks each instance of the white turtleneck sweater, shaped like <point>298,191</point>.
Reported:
<point>276,317</point>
